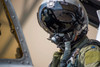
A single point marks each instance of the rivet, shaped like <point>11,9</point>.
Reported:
<point>13,17</point>
<point>9,62</point>
<point>26,55</point>
<point>27,62</point>
<point>21,40</point>
<point>22,62</point>
<point>25,51</point>
<point>6,0</point>
<point>17,28</point>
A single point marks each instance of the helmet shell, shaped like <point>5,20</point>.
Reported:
<point>53,5</point>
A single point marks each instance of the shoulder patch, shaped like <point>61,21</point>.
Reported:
<point>92,57</point>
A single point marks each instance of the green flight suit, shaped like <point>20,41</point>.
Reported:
<point>89,55</point>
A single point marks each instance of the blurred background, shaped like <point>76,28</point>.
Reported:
<point>41,50</point>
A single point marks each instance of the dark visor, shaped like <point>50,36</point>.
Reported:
<point>64,16</point>
<point>59,21</point>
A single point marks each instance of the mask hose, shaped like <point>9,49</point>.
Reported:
<point>56,38</point>
<point>66,55</point>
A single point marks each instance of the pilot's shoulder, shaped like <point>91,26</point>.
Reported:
<point>92,44</point>
<point>90,54</point>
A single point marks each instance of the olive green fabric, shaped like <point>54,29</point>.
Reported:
<point>89,56</point>
<point>92,56</point>
<point>58,55</point>
<point>56,59</point>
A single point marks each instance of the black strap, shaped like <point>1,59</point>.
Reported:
<point>94,42</point>
<point>90,42</point>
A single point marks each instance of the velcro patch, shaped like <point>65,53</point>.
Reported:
<point>92,57</point>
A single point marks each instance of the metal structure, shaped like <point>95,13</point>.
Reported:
<point>91,7</point>
<point>25,60</point>
<point>98,35</point>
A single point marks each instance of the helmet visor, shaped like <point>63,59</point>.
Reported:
<point>59,21</point>
<point>64,16</point>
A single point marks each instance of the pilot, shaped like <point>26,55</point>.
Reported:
<point>67,23</point>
